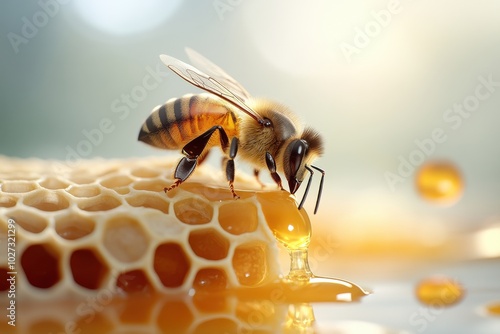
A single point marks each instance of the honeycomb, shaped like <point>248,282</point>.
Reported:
<point>107,224</point>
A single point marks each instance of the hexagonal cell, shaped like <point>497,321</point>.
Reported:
<point>84,191</point>
<point>155,185</point>
<point>4,284</point>
<point>193,211</point>
<point>125,239</point>
<point>250,263</point>
<point>87,268</point>
<point>41,265</point>
<point>171,264</point>
<point>46,200</point>
<point>101,322</point>
<point>214,194</point>
<point>7,201</point>
<point>116,181</point>
<point>210,279</point>
<point>99,203</point>
<point>238,217</point>
<point>133,281</point>
<point>81,178</point>
<point>152,201</point>
<point>175,317</point>
<point>18,186</point>
<point>45,325</point>
<point>144,172</point>
<point>209,244</point>
<point>29,221</point>
<point>217,325</point>
<point>74,226</point>
<point>54,183</point>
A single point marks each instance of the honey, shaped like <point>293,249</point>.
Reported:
<point>493,309</point>
<point>439,291</point>
<point>103,248</point>
<point>439,182</point>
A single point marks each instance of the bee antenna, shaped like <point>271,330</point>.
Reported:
<point>320,191</point>
<point>307,187</point>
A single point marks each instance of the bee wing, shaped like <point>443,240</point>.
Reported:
<point>208,83</point>
<point>218,73</point>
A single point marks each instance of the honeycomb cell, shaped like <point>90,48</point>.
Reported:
<point>46,200</point>
<point>7,201</point>
<point>217,325</point>
<point>87,268</point>
<point>99,203</point>
<point>53,183</point>
<point>18,186</point>
<point>145,172</point>
<point>193,211</point>
<point>46,326</point>
<point>210,279</point>
<point>133,281</point>
<point>439,291</point>
<point>152,201</point>
<point>4,284</point>
<point>175,317</point>
<point>116,181</point>
<point>94,322</point>
<point>41,265</point>
<point>84,191</point>
<point>208,244</point>
<point>171,264</point>
<point>238,217</point>
<point>29,221</point>
<point>214,194</point>
<point>73,226</point>
<point>137,309</point>
<point>250,264</point>
<point>125,239</point>
<point>82,178</point>
<point>155,185</point>
<point>439,182</point>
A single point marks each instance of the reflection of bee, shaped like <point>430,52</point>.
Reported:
<point>262,132</point>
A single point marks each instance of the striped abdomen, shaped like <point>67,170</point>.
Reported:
<point>177,122</point>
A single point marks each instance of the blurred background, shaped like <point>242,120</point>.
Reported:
<point>377,79</point>
<point>391,85</point>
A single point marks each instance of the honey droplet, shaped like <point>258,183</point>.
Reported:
<point>439,291</point>
<point>439,182</point>
<point>290,226</point>
<point>493,309</point>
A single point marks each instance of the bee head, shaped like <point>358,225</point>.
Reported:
<point>297,159</point>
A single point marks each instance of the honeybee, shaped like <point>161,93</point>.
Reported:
<point>262,133</point>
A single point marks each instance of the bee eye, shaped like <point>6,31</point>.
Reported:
<point>297,153</point>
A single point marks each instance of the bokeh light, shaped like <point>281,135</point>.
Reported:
<point>120,16</point>
<point>439,291</point>
<point>439,182</point>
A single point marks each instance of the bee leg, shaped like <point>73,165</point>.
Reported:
<point>271,165</point>
<point>233,149</point>
<point>183,170</point>
<point>194,151</point>
<point>256,174</point>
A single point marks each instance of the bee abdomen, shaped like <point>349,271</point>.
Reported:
<point>175,123</point>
